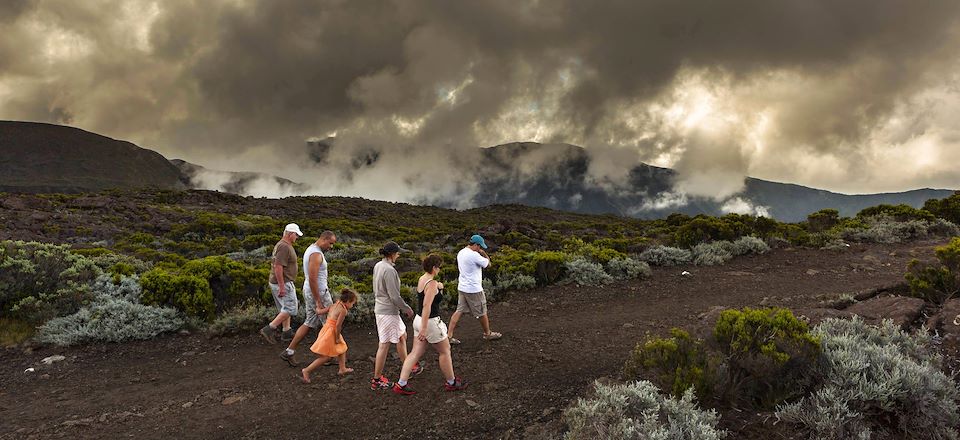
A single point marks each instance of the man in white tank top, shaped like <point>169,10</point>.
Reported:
<point>316,292</point>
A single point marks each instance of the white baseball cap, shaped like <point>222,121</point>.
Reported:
<point>292,227</point>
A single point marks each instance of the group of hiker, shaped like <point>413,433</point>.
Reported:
<point>322,314</point>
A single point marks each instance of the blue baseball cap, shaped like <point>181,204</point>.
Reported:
<point>477,239</point>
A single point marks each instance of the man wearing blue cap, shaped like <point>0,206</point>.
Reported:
<point>471,261</point>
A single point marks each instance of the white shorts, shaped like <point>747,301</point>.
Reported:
<point>390,328</point>
<point>436,329</point>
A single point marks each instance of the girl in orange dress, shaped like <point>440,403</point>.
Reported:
<point>330,342</point>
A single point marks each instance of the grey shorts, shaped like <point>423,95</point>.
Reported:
<point>313,320</point>
<point>472,303</point>
<point>289,304</point>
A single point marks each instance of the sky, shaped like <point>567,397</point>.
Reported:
<point>854,96</point>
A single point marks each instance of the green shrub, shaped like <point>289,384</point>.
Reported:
<point>677,363</point>
<point>188,293</point>
<point>900,213</point>
<point>702,229</point>
<point>771,355</point>
<point>586,273</point>
<point>887,230</point>
<point>243,318</point>
<point>40,281</point>
<point>947,208</point>
<point>628,268</point>
<point>109,319</point>
<point>823,219</point>
<point>937,284</point>
<point>639,411</point>
<point>547,267</point>
<point>879,382</point>
<point>666,256</point>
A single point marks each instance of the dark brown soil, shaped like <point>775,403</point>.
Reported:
<point>557,341</point>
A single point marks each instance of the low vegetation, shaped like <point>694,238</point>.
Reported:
<point>205,255</point>
<point>638,410</point>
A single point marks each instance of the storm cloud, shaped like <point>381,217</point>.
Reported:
<point>853,95</point>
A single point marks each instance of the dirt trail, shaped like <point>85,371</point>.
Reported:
<point>557,341</point>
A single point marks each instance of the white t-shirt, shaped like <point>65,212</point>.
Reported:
<point>471,265</point>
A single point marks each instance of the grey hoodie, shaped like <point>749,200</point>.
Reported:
<point>386,290</point>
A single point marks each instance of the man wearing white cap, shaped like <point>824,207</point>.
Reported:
<point>282,275</point>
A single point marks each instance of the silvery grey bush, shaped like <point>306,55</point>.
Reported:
<point>515,281</point>
<point>882,229</point>
<point>128,289</point>
<point>712,254</point>
<point>749,245</point>
<point>666,256</point>
<point>109,319</point>
<point>879,382</point>
<point>638,410</point>
<point>586,273</point>
<point>628,268</point>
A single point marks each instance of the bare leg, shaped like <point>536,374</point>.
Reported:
<point>286,322</point>
<point>402,348</point>
<point>313,366</point>
<point>343,365</point>
<point>381,359</point>
<point>446,359</point>
<point>418,348</point>
<point>302,332</point>
<point>454,319</point>
<point>283,318</point>
<point>485,323</point>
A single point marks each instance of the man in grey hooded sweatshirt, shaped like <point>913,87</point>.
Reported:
<point>389,303</point>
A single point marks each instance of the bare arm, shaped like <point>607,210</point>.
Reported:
<point>313,268</point>
<point>278,272</point>
<point>339,327</point>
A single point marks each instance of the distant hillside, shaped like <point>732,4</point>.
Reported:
<point>560,181</point>
<point>40,157</point>
<point>52,158</point>
<point>196,176</point>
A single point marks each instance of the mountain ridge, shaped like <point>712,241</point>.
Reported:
<point>42,157</point>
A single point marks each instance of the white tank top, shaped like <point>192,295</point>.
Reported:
<point>321,274</point>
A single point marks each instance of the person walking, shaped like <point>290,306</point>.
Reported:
<point>316,293</point>
<point>282,276</point>
<point>389,303</point>
<point>471,260</point>
<point>428,328</point>
<point>330,343</point>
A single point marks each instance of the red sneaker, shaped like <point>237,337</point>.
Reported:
<point>458,384</point>
<point>417,368</point>
<point>380,383</point>
<point>403,390</point>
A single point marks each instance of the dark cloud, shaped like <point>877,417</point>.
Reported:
<point>817,81</point>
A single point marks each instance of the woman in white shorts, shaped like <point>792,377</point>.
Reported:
<point>428,328</point>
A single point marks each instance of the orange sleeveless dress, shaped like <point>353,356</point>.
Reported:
<point>326,344</point>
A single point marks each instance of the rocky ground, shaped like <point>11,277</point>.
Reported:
<point>557,341</point>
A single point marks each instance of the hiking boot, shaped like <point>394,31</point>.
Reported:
<point>380,383</point>
<point>287,335</point>
<point>403,390</point>
<point>458,384</point>
<point>417,368</point>
<point>270,334</point>
<point>288,358</point>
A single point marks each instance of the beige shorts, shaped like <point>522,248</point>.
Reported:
<point>472,303</point>
<point>390,328</point>
<point>436,329</point>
